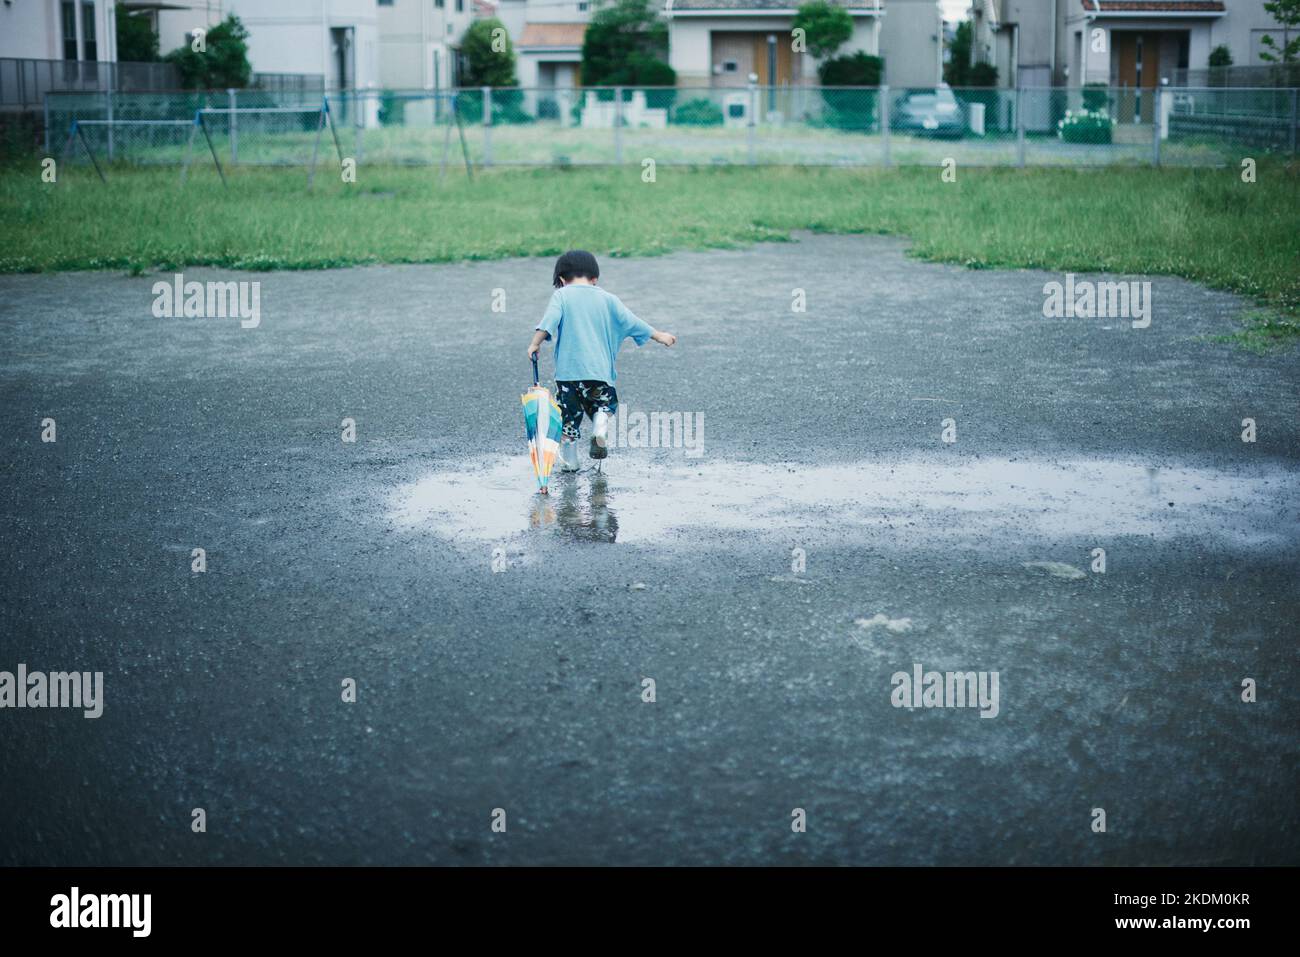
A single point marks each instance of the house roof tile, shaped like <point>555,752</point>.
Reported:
<point>552,35</point>
<point>1153,6</point>
<point>760,5</point>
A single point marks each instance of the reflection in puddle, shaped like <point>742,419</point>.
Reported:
<point>582,509</point>
<point>919,502</point>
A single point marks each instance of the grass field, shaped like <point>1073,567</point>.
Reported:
<point>1204,225</point>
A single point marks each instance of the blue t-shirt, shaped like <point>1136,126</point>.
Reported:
<point>588,325</point>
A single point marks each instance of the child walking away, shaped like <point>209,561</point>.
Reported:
<point>588,326</point>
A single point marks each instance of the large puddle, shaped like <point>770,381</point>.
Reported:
<point>640,499</point>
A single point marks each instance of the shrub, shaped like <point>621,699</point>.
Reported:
<point>1085,126</point>
<point>392,109</point>
<point>1096,96</point>
<point>851,109</point>
<point>856,69</point>
<point>699,112</point>
<point>982,74</point>
<point>650,71</point>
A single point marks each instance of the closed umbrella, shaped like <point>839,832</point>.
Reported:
<point>543,423</point>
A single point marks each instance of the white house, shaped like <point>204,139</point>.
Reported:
<point>1123,43</point>
<point>336,39</point>
<point>419,41</point>
<point>58,30</point>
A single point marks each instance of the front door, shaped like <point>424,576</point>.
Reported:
<point>771,59</point>
<point>1138,58</point>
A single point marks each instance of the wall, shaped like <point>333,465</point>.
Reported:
<point>911,41</point>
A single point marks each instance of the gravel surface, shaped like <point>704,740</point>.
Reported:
<point>499,641</point>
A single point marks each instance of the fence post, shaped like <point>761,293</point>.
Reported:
<point>108,97</point>
<point>883,93</point>
<point>46,99</point>
<point>1293,118</point>
<point>618,125</point>
<point>233,124</point>
<point>1155,125</point>
<point>357,122</point>
<point>1020,127</point>
<point>487,125</point>
<point>751,125</point>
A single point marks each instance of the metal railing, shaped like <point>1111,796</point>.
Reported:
<point>799,126</point>
<point>24,83</point>
<point>1279,74</point>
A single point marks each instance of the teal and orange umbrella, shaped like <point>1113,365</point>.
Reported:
<point>543,423</point>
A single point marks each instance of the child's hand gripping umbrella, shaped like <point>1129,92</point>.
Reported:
<point>543,423</point>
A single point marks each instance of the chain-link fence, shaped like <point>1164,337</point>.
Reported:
<point>797,126</point>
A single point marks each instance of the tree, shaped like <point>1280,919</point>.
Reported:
<point>627,45</point>
<point>222,65</point>
<point>1287,14</point>
<point>489,55</point>
<point>956,72</point>
<point>136,41</point>
<point>826,27</point>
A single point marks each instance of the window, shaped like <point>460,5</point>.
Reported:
<point>582,6</point>
<point>728,66</point>
<point>88,30</point>
<point>438,4</point>
<point>460,6</point>
<point>385,3</point>
<point>69,17</point>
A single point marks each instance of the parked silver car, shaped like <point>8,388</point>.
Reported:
<point>929,113</point>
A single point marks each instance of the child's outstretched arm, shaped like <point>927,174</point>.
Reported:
<point>540,336</point>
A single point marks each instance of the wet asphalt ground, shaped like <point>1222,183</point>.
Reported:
<point>499,642</point>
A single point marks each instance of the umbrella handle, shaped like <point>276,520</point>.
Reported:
<point>536,380</point>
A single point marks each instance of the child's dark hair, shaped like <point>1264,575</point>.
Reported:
<point>575,264</point>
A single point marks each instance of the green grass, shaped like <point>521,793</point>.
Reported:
<point>1205,225</point>
<point>1263,330</point>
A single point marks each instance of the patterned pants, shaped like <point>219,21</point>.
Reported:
<point>583,396</point>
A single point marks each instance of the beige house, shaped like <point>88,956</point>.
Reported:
<point>723,43</point>
<point>547,36</point>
